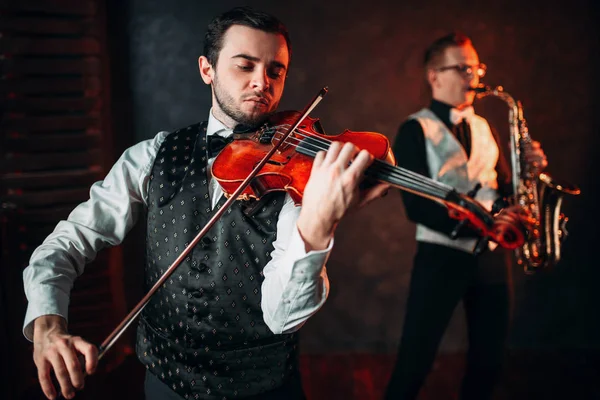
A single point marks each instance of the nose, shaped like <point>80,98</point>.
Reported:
<point>260,80</point>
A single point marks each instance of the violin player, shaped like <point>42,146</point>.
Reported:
<point>227,326</point>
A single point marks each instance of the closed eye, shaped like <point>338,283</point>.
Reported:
<point>275,74</point>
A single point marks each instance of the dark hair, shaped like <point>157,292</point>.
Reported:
<point>435,52</point>
<point>213,39</point>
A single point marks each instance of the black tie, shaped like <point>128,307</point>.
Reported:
<point>463,134</point>
<point>215,143</point>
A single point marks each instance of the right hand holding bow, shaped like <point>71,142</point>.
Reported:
<point>54,349</point>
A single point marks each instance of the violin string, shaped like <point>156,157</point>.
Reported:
<point>398,175</point>
<point>416,182</point>
<point>392,177</point>
<point>327,142</point>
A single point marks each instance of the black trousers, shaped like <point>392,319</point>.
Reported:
<point>441,277</point>
<point>155,389</point>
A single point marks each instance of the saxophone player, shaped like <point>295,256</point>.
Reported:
<point>450,143</point>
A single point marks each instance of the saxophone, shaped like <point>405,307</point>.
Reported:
<point>536,192</point>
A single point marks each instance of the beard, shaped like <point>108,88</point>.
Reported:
<point>227,104</point>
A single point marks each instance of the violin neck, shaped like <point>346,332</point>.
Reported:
<point>398,177</point>
<point>461,205</point>
<point>407,180</point>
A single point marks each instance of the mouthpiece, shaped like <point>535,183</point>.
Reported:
<point>481,88</point>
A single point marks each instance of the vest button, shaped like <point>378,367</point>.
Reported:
<point>198,267</point>
<point>205,242</point>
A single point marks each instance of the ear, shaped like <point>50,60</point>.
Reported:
<point>431,76</point>
<point>206,70</point>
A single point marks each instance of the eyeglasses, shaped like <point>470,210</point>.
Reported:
<point>479,69</point>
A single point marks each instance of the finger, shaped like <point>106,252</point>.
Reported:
<point>360,163</point>
<point>537,156</point>
<point>332,153</point>
<point>508,218</point>
<point>319,158</point>
<point>527,220</point>
<point>89,351</point>
<point>519,220</point>
<point>518,210</point>
<point>530,155</point>
<point>346,155</point>
<point>62,375</point>
<point>374,193</point>
<point>71,360</point>
<point>43,368</point>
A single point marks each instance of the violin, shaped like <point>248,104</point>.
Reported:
<point>289,168</point>
<point>279,155</point>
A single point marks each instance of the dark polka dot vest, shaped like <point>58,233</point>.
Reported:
<point>203,333</point>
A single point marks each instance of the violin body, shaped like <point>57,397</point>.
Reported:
<point>288,169</point>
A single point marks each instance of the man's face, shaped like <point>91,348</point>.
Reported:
<point>248,80</point>
<point>452,78</point>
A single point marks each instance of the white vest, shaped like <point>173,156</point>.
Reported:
<point>448,163</point>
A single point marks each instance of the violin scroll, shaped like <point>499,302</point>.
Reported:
<point>500,229</point>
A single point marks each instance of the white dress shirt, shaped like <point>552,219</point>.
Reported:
<point>295,285</point>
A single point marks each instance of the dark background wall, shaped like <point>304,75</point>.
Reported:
<point>369,54</point>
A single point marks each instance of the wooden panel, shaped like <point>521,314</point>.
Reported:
<point>94,275</point>
<point>58,123</point>
<point>27,237</point>
<point>28,162</point>
<point>39,229</point>
<point>88,85</point>
<point>50,142</point>
<point>54,90</point>
<point>37,46</point>
<point>95,328</point>
<point>44,179</point>
<point>28,242</point>
<point>28,25</point>
<point>51,104</point>
<point>49,197</point>
<point>17,67</point>
<point>5,364</point>
<point>45,215</point>
<point>69,7</point>
<point>91,310</point>
<point>93,293</point>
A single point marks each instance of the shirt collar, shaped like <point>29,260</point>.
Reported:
<point>216,127</point>
<point>442,111</point>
